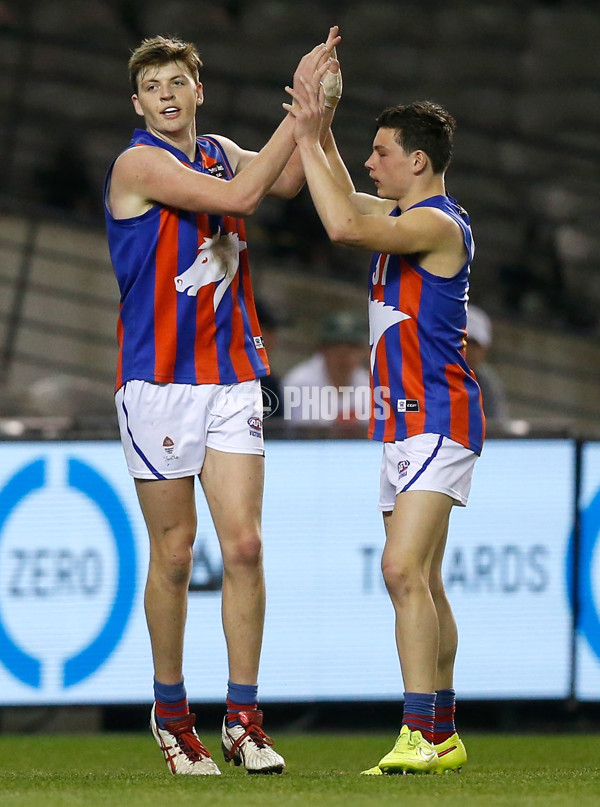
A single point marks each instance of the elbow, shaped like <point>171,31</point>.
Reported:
<point>245,207</point>
<point>341,234</point>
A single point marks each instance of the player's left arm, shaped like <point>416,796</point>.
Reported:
<point>432,234</point>
<point>291,180</point>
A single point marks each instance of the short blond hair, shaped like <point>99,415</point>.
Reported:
<point>159,50</point>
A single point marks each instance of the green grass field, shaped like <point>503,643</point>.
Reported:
<point>126,770</point>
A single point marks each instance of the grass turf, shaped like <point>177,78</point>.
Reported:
<point>126,770</point>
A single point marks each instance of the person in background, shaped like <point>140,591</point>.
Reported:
<point>331,388</point>
<point>479,340</point>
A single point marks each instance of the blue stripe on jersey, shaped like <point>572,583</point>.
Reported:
<point>138,341</point>
<point>223,337</point>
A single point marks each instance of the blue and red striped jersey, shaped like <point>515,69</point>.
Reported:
<point>420,379</point>
<point>187,310</point>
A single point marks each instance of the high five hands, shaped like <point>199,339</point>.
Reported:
<point>317,85</point>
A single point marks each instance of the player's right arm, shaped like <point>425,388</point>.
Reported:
<point>144,176</point>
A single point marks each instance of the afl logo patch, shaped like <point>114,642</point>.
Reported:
<point>403,466</point>
<point>255,426</point>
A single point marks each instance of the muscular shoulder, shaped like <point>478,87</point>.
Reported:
<point>134,170</point>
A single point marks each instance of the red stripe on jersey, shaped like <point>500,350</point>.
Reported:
<point>206,362</point>
<point>459,404</point>
<point>239,359</point>
<point>165,298</point>
<point>119,383</point>
<point>411,285</point>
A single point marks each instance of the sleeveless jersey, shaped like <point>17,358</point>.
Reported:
<point>187,310</point>
<point>421,382</point>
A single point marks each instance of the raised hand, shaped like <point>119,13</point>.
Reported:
<point>332,82</point>
<point>317,58</point>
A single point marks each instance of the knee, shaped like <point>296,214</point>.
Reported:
<point>245,551</point>
<point>400,579</point>
<point>173,559</point>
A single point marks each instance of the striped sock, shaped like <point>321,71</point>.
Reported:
<point>418,713</point>
<point>240,698</point>
<point>171,702</point>
<point>445,708</point>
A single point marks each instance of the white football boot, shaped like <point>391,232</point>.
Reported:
<point>248,745</point>
<point>181,746</point>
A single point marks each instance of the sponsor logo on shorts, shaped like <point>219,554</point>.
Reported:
<point>403,467</point>
<point>255,427</point>
<point>407,405</point>
<point>258,342</point>
<point>169,447</point>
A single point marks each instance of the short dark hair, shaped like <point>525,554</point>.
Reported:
<point>160,50</point>
<point>422,125</point>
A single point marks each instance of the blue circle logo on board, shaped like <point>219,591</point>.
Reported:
<point>79,478</point>
<point>589,616</point>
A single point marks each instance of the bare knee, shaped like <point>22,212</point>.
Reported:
<point>172,558</point>
<point>243,552</point>
<point>401,580</point>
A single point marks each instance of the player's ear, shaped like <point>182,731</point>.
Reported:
<point>136,106</point>
<point>199,94</point>
<point>420,160</point>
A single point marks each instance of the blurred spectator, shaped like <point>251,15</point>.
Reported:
<point>479,339</point>
<point>535,285</point>
<point>332,386</point>
<point>271,385</point>
<point>65,182</point>
<point>296,232</point>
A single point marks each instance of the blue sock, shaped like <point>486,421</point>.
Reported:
<point>171,702</point>
<point>418,712</point>
<point>240,698</point>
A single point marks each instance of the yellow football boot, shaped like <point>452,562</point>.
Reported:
<point>411,754</point>
<point>452,755</point>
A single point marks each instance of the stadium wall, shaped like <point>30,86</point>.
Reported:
<point>522,572</point>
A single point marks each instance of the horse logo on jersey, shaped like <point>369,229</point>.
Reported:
<point>381,317</point>
<point>217,262</point>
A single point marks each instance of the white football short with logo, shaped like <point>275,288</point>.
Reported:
<point>425,462</point>
<point>166,428</point>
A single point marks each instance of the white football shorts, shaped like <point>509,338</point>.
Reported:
<point>166,428</point>
<point>425,462</point>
